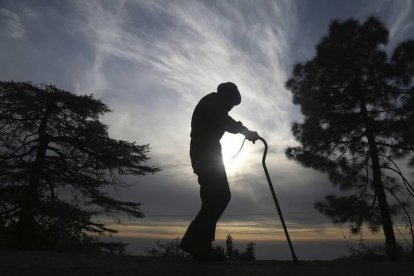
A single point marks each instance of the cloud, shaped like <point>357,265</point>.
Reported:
<point>396,15</point>
<point>400,21</point>
<point>11,24</point>
<point>198,49</point>
<point>151,61</point>
<point>156,58</point>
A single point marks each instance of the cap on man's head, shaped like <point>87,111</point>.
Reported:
<point>230,91</point>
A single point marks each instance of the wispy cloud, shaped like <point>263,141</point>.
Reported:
<point>151,61</point>
<point>180,51</point>
<point>400,21</point>
<point>11,24</point>
<point>397,16</point>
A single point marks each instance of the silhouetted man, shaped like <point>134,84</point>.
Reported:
<point>209,122</point>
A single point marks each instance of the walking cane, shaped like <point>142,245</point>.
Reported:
<point>279,211</point>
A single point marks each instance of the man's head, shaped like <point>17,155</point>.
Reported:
<point>230,94</point>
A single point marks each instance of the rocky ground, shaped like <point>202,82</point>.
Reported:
<point>61,264</point>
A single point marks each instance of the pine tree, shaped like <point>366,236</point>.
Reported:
<point>56,158</point>
<point>358,108</point>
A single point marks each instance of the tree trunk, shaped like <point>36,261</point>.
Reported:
<point>391,244</point>
<point>27,229</point>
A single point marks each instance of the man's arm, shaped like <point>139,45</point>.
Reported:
<point>217,114</point>
<point>233,126</point>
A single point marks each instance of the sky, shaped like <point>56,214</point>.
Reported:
<point>152,61</point>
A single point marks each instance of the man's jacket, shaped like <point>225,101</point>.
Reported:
<point>209,122</point>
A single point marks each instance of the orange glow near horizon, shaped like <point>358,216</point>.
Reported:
<point>242,231</point>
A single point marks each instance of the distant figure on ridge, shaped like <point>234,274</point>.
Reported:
<point>229,246</point>
<point>209,122</point>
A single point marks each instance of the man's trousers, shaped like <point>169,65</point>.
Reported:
<point>215,195</point>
